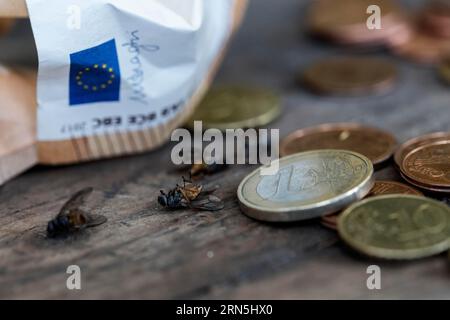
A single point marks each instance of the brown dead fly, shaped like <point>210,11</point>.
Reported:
<point>72,218</point>
<point>192,196</point>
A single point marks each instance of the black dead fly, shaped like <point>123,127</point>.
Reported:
<point>72,218</point>
<point>192,196</point>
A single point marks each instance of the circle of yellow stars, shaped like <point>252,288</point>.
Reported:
<point>102,86</point>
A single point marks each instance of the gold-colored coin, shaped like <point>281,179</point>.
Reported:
<point>350,75</point>
<point>397,227</point>
<point>237,107</point>
<point>307,185</point>
<point>429,164</point>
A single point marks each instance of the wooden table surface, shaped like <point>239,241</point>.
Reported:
<point>145,252</point>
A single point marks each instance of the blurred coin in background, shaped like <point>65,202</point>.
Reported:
<point>444,70</point>
<point>408,146</point>
<point>430,39</point>
<point>350,75</point>
<point>425,187</point>
<point>423,47</point>
<point>233,107</point>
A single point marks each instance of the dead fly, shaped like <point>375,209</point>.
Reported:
<point>72,218</point>
<point>203,168</point>
<point>192,196</point>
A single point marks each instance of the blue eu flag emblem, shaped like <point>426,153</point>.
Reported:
<point>95,75</point>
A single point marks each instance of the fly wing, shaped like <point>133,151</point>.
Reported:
<point>94,220</point>
<point>76,201</point>
<point>207,203</point>
<point>208,189</point>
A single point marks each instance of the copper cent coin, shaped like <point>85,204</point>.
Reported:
<point>414,143</point>
<point>436,18</point>
<point>330,221</point>
<point>391,187</point>
<point>397,227</point>
<point>306,185</point>
<point>374,143</point>
<point>429,164</point>
<point>350,75</point>
<point>444,70</point>
<point>423,186</point>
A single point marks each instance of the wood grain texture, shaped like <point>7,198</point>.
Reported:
<point>146,252</point>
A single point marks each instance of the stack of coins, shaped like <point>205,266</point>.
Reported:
<point>374,143</point>
<point>425,162</point>
<point>397,227</point>
<point>346,22</point>
<point>430,39</point>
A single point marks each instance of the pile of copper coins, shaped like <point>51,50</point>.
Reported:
<point>423,37</point>
<point>424,162</point>
<point>328,172</point>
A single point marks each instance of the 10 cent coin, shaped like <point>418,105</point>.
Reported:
<point>397,227</point>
